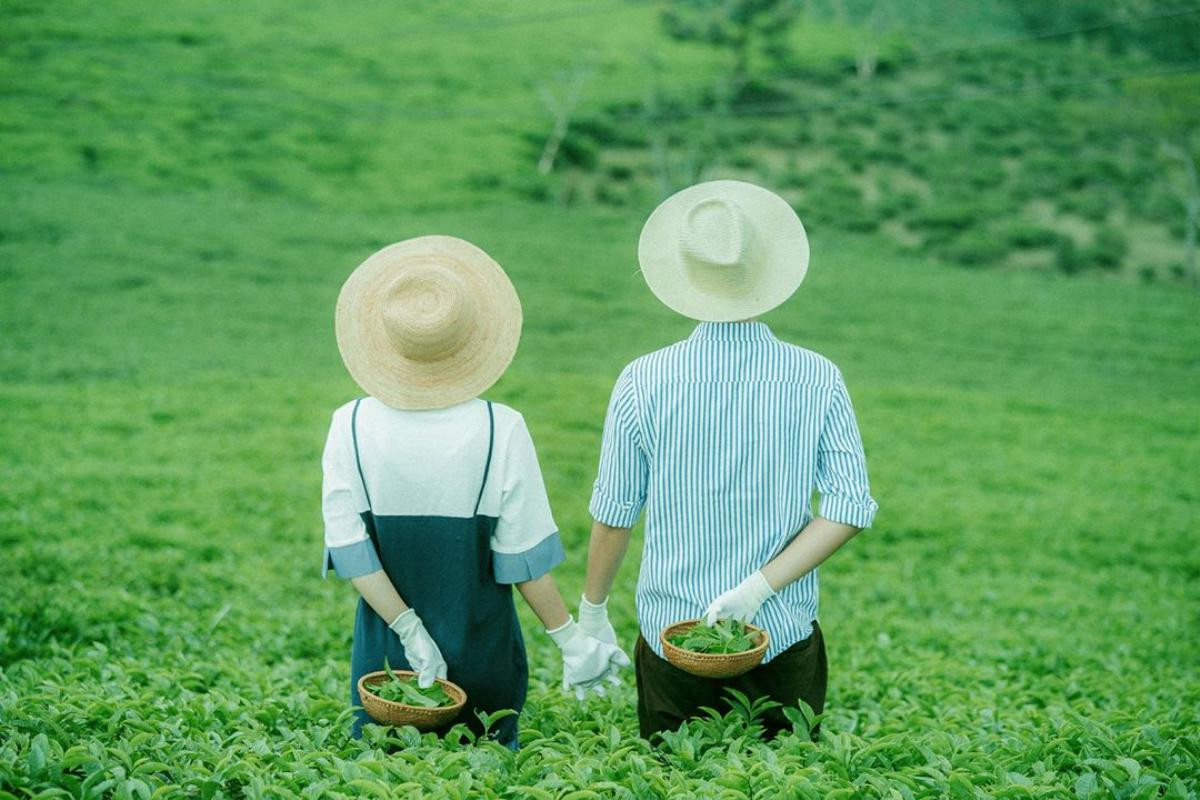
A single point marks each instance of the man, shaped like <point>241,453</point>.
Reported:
<point>723,438</point>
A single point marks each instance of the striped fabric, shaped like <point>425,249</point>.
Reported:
<point>723,438</point>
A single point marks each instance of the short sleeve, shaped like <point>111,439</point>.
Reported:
<point>842,465</point>
<point>526,544</point>
<point>619,492</point>
<point>348,548</point>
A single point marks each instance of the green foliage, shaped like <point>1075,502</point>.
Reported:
<point>742,26</point>
<point>1066,255</point>
<point>942,220</point>
<point>1109,248</point>
<point>723,636</point>
<point>218,664</point>
<point>405,690</point>
<point>1143,26</point>
<point>185,189</point>
<point>1023,235</point>
<point>974,249</point>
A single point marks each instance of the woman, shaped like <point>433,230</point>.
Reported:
<point>433,501</point>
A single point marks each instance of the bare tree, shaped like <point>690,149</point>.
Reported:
<point>1191,202</point>
<point>560,97</point>
<point>1165,107</point>
<point>871,29</point>
<point>674,167</point>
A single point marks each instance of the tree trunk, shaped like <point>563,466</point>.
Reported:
<point>1191,204</point>
<point>562,111</point>
<point>741,63</point>
<point>550,151</point>
<point>866,58</point>
<point>1193,212</point>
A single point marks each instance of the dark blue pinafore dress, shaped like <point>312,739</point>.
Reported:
<point>442,567</point>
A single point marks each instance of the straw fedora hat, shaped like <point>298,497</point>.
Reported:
<point>722,251</point>
<point>427,323</point>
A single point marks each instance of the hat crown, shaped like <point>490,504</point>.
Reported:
<point>427,313</point>
<point>717,248</point>
<point>723,250</point>
<point>714,233</point>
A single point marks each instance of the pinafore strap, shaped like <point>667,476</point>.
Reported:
<point>487,464</point>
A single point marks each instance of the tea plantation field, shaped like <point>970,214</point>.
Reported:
<point>1021,621</point>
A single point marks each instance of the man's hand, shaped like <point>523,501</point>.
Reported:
<point>587,661</point>
<point>419,648</point>
<point>742,601</point>
<point>593,620</point>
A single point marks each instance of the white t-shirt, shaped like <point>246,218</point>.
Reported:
<point>431,464</point>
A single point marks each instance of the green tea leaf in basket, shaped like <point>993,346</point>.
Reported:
<point>725,636</point>
<point>406,691</point>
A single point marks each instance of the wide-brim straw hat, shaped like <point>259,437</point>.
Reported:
<point>723,251</point>
<point>427,323</point>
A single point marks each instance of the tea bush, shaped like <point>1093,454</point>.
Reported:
<point>1066,255</point>
<point>1024,235</point>
<point>1109,248</point>
<point>974,249</point>
<point>185,188</point>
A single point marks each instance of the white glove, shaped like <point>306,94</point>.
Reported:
<point>419,648</point>
<point>742,601</point>
<point>593,620</point>
<point>586,661</point>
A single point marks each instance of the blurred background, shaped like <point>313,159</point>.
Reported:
<point>1002,202</point>
<point>999,134</point>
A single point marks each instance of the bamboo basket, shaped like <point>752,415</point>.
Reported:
<point>389,712</point>
<point>713,665</point>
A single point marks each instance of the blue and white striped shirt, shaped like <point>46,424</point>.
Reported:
<point>722,438</point>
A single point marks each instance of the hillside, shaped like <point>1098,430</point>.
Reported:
<point>185,190</point>
<point>984,146</point>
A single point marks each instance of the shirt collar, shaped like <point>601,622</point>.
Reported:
<point>732,332</point>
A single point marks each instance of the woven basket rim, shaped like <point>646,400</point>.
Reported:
<point>713,658</point>
<point>451,688</point>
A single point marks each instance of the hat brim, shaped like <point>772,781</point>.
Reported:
<point>779,233</point>
<point>486,351</point>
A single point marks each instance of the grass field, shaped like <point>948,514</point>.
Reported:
<point>1020,622</point>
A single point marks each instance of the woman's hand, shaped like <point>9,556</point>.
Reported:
<point>593,620</point>
<point>420,649</point>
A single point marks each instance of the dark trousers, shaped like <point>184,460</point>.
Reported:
<point>667,696</point>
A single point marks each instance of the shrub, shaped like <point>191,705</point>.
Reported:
<point>1066,255</point>
<point>577,151</point>
<point>975,248</point>
<point>840,203</point>
<point>1040,175</point>
<point>945,217</point>
<point>759,93</point>
<point>982,173</point>
<point>609,132</point>
<point>743,159</point>
<point>887,152</point>
<point>1025,236</point>
<point>532,187</point>
<point>802,134</point>
<point>1109,248</point>
<point>1092,206</point>
<point>619,172</point>
<point>609,195</point>
<point>894,202</point>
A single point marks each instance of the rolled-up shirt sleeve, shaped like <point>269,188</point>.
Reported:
<point>619,492</point>
<point>842,465</point>
<point>348,549</point>
<point>526,544</point>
